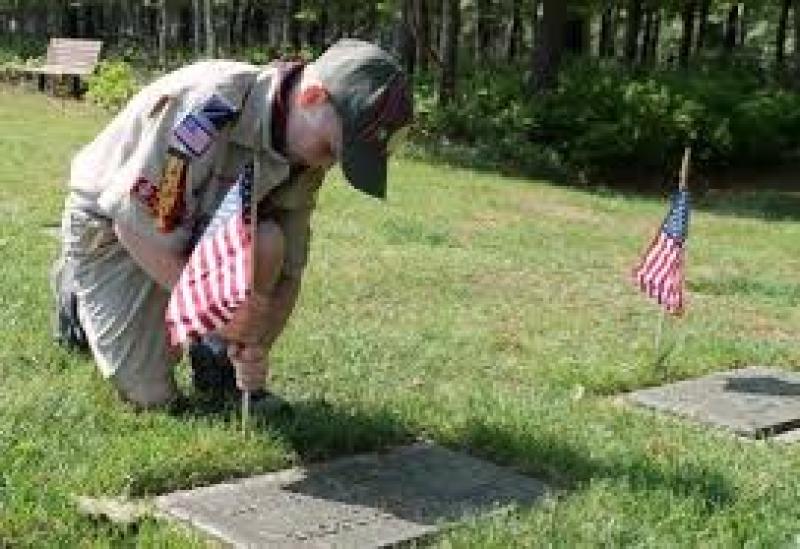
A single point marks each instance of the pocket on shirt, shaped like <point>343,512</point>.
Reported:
<point>87,234</point>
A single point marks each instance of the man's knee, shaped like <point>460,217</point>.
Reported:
<point>269,253</point>
<point>153,392</point>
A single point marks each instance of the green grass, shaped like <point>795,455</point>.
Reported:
<point>485,313</point>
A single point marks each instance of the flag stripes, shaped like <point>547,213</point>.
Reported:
<point>217,278</point>
<point>660,273</point>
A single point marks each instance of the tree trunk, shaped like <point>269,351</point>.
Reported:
<point>291,25</point>
<point>549,45</point>
<point>575,32</point>
<point>780,35</point>
<point>223,30</point>
<point>370,22</point>
<point>688,15</point>
<point>196,15</point>
<point>482,31</point>
<point>652,48</point>
<point>743,19</point>
<point>211,48</point>
<point>796,57</point>
<point>239,38</point>
<point>319,28</point>
<point>422,36</point>
<point>702,27</point>
<point>514,37</point>
<point>163,22</point>
<point>633,27</point>
<point>405,37</point>
<point>729,42</point>
<point>608,32</point>
<point>435,22</point>
<point>126,21</point>
<point>259,25</point>
<point>449,50</point>
<point>649,17</point>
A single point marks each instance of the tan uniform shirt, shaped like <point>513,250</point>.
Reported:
<point>166,161</point>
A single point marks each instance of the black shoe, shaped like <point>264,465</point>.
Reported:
<point>212,371</point>
<point>213,376</point>
<point>68,329</point>
<point>268,403</point>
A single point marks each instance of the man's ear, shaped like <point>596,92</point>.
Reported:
<point>312,96</point>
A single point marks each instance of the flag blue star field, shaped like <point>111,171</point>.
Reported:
<point>660,272</point>
<point>218,276</point>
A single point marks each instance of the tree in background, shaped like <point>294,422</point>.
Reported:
<point>780,34</point>
<point>688,17</point>
<point>549,47</point>
<point>633,24</point>
<point>211,50</point>
<point>608,29</point>
<point>448,50</point>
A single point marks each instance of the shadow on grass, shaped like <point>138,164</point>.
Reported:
<point>770,193</point>
<point>570,467</point>
<point>317,429</point>
<point>765,204</point>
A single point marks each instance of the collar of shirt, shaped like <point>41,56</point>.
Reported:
<point>254,131</point>
<point>288,75</point>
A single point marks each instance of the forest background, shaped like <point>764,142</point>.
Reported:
<point>590,91</point>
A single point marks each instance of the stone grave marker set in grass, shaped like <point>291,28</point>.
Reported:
<point>373,500</point>
<point>753,402</point>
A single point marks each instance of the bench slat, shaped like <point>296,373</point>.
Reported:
<point>70,56</point>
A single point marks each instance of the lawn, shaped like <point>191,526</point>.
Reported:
<point>486,313</point>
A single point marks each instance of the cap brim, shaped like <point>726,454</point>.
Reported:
<point>364,166</point>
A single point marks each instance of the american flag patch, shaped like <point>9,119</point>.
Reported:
<point>195,134</point>
<point>198,129</point>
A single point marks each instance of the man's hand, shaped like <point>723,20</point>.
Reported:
<point>250,322</point>
<point>251,367</point>
<point>254,328</point>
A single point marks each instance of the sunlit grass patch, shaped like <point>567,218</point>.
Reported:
<point>486,313</point>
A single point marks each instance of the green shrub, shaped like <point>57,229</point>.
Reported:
<point>21,47</point>
<point>112,85</point>
<point>604,119</point>
<point>489,126</point>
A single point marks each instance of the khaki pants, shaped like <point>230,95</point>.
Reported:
<point>120,308</point>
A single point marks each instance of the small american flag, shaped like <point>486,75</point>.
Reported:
<point>660,272</point>
<point>218,276</point>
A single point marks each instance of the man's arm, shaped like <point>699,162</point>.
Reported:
<point>165,268</point>
<point>284,298</point>
<point>163,265</point>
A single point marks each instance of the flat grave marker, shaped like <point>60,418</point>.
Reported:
<point>373,500</point>
<point>753,402</point>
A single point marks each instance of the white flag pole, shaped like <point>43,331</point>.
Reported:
<point>253,233</point>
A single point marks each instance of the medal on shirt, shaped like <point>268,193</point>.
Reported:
<point>169,206</point>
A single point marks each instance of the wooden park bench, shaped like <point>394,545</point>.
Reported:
<point>67,58</point>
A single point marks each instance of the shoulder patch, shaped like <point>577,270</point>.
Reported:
<point>219,111</point>
<point>197,130</point>
<point>170,205</point>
